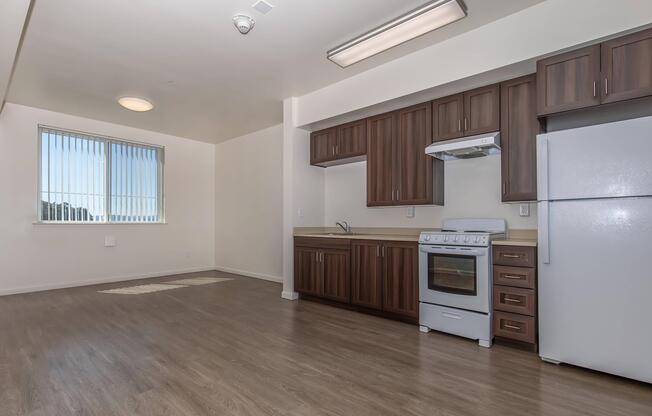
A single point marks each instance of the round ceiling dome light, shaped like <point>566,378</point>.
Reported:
<point>135,104</point>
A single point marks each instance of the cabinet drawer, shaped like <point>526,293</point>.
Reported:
<point>516,300</point>
<point>515,276</point>
<point>516,327</point>
<point>515,256</point>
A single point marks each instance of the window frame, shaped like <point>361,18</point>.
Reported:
<point>107,140</point>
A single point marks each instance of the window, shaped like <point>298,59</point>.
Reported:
<point>94,179</point>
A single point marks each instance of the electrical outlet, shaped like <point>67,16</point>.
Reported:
<point>524,210</point>
<point>109,241</point>
<point>410,212</point>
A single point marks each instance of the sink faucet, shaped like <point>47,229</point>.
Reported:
<point>344,226</point>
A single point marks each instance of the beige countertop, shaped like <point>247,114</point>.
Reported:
<point>360,233</point>
<point>526,238</point>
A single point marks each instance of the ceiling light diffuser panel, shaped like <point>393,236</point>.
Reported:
<point>420,21</point>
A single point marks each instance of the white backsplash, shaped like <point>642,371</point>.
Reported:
<point>472,190</point>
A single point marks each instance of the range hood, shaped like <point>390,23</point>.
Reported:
<point>466,147</point>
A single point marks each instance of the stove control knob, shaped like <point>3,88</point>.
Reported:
<point>456,238</point>
<point>477,239</point>
<point>427,238</point>
<point>445,238</point>
<point>466,239</point>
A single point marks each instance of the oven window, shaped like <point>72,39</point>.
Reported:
<point>452,274</point>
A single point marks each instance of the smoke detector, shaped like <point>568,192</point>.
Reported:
<point>243,23</point>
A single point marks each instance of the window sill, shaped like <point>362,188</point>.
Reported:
<point>57,223</point>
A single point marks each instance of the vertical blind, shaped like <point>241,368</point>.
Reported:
<point>87,178</point>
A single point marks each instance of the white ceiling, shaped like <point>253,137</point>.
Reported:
<point>206,80</point>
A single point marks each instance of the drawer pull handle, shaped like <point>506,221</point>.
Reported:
<point>518,328</point>
<point>512,256</point>
<point>513,277</point>
<point>451,315</point>
<point>506,299</point>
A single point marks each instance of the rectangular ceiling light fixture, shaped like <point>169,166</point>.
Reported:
<point>419,21</point>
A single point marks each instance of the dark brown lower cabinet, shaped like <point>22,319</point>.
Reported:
<point>368,275</point>
<point>322,268</point>
<point>336,269</point>
<point>515,295</point>
<point>307,276</point>
<point>401,278</point>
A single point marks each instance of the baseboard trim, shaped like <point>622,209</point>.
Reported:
<point>255,275</point>
<point>290,295</point>
<point>79,283</point>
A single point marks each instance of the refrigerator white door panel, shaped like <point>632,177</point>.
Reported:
<point>594,295</point>
<point>602,161</point>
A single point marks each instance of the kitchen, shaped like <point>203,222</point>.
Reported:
<point>474,277</point>
<point>421,207</point>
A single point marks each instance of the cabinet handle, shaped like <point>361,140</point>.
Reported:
<point>333,150</point>
<point>459,125</point>
<point>504,188</point>
<point>513,277</point>
<point>465,120</point>
<point>606,86</point>
<point>512,256</point>
<point>393,190</point>
<point>518,328</point>
<point>594,89</point>
<point>506,299</point>
<point>383,251</point>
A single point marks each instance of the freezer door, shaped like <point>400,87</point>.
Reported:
<point>602,161</point>
<point>594,292</point>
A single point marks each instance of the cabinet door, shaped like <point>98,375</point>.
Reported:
<point>518,129</point>
<point>381,156</point>
<point>482,110</point>
<point>323,145</point>
<point>569,81</point>
<point>401,278</point>
<point>447,115</point>
<point>352,139</point>
<point>414,166</point>
<point>366,276</point>
<point>336,266</point>
<point>627,67</point>
<point>307,271</point>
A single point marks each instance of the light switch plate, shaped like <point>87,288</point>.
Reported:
<point>109,241</point>
<point>524,210</point>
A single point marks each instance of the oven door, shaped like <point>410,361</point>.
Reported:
<point>457,277</point>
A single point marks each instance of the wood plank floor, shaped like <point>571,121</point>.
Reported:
<point>236,348</point>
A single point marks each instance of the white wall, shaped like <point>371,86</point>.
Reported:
<point>542,29</point>
<point>34,257</point>
<point>248,206</point>
<point>472,189</point>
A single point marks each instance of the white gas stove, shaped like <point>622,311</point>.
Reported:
<point>455,278</point>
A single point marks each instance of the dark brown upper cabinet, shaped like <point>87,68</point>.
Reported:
<point>627,67</point>
<point>338,145</point>
<point>398,170</point>
<point>447,116</point>
<point>482,110</point>
<point>518,129</point>
<point>381,159</point>
<point>569,81</point>
<point>322,146</point>
<point>473,112</point>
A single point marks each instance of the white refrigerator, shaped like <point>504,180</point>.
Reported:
<point>595,247</point>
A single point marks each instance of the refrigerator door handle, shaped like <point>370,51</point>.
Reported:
<point>542,167</point>
<point>543,213</point>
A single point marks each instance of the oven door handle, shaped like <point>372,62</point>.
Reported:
<point>478,252</point>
